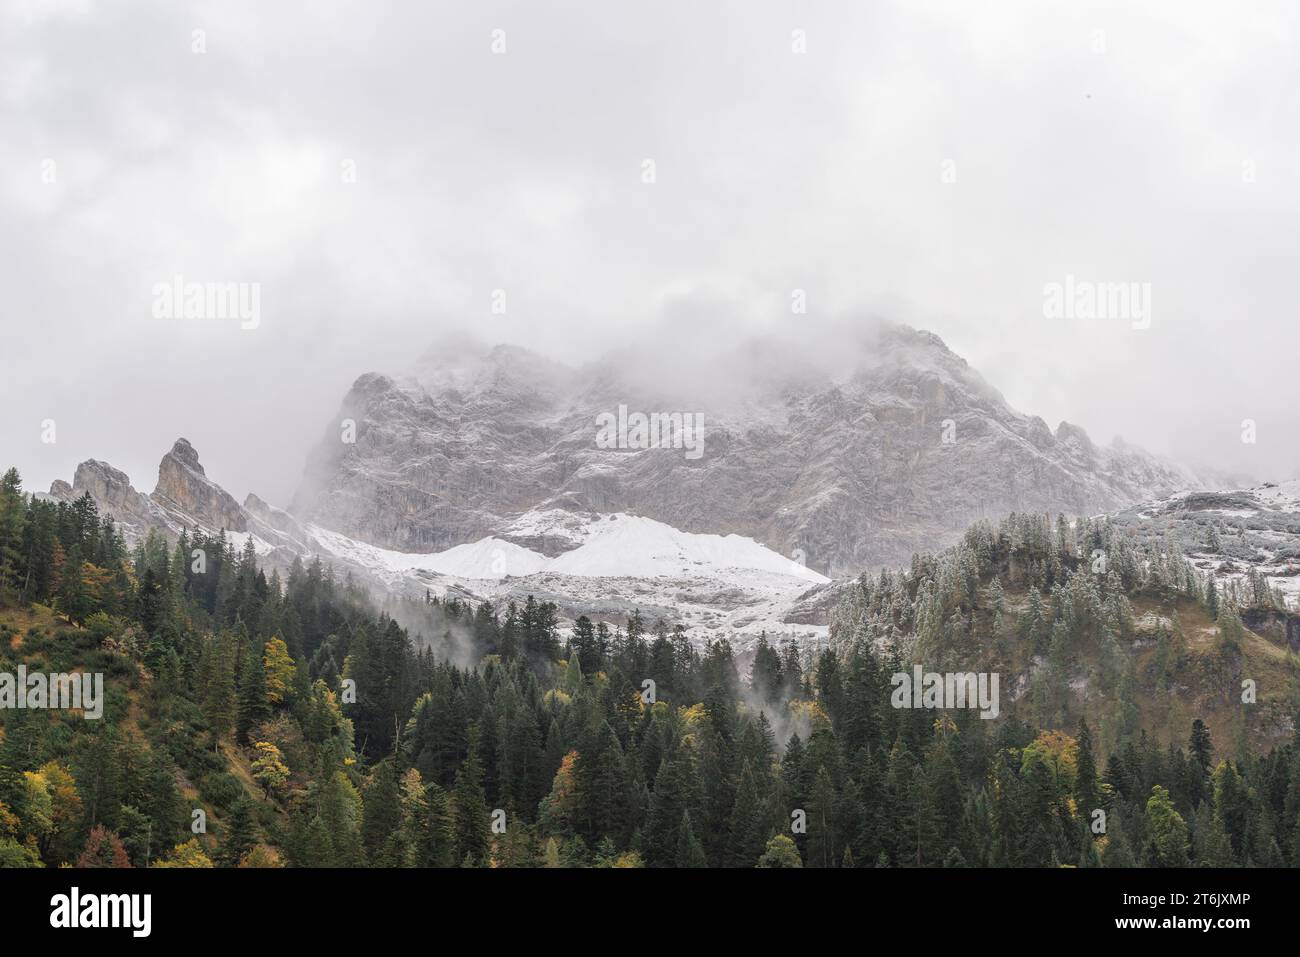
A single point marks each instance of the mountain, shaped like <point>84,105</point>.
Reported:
<point>1103,620</point>
<point>189,497</point>
<point>114,495</point>
<point>183,498</point>
<point>892,446</point>
<point>1248,539</point>
<point>603,566</point>
<point>482,473</point>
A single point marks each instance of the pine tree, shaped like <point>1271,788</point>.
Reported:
<point>241,833</point>
<point>766,678</point>
<point>940,810</point>
<point>74,598</point>
<point>1119,851</point>
<point>747,829</point>
<point>159,799</point>
<point>381,816</point>
<point>823,848</point>
<point>1087,794</point>
<point>1211,597</point>
<point>253,707</point>
<point>672,796</point>
<point>441,829</point>
<point>1232,805</point>
<point>220,706</point>
<point>12,518</point>
<point>1201,750</point>
<point>337,826</point>
<point>469,805</point>
<point>689,851</point>
<point>1167,840</point>
<point>1211,847</point>
<point>604,803</point>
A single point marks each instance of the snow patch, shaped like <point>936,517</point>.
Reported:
<point>488,559</point>
<point>623,545</point>
<point>711,584</point>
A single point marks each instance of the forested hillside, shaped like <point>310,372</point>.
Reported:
<point>310,728</point>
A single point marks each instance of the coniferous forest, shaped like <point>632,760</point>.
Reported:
<point>259,720</point>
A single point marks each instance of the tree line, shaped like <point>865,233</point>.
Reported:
<point>314,727</point>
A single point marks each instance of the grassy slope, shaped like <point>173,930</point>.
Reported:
<point>1206,679</point>
<point>44,641</point>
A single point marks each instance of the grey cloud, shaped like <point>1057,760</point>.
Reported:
<point>522,172</point>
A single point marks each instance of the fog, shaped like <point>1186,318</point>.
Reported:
<point>389,179</point>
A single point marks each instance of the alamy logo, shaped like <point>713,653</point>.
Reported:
<point>73,910</point>
<point>56,690</point>
<point>656,430</point>
<point>1080,299</point>
<point>179,299</point>
<point>930,689</point>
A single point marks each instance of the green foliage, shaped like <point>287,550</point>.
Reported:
<point>232,682</point>
<point>780,852</point>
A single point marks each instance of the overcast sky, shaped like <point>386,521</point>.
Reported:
<point>934,163</point>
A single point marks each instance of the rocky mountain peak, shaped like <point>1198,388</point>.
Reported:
<point>189,497</point>
<point>372,384</point>
<point>104,482</point>
<point>112,493</point>
<point>186,455</point>
<point>1074,442</point>
<point>855,453</point>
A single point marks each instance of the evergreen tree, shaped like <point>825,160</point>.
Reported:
<point>689,851</point>
<point>241,833</point>
<point>381,817</point>
<point>253,707</point>
<point>1167,841</point>
<point>470,813</point>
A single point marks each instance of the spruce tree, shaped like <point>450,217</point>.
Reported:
<point>381,817</point>
<point>253,707</point>
<point>241,833</point>
<point>689,852</point>
<point>470,813</point>
<point>1087,794</point>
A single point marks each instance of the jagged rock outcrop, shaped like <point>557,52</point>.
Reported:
<point>898,450</point>
<point>190,497</point>
<point>185,496</point>
<point>113,494</point>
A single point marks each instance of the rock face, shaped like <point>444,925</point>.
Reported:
<point>113,494</point>
<point>603,566</point>
<point>897,450</point>
<point>190,497</point>
<point>185,496</point>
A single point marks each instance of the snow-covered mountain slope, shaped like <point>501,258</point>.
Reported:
<point>1231,533</point>
<point>888,446</point>
<point>632,546</point>
<point>607,546</point>
<point>603,566</point>
<point>486,559</point>
<point>618,563</point>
